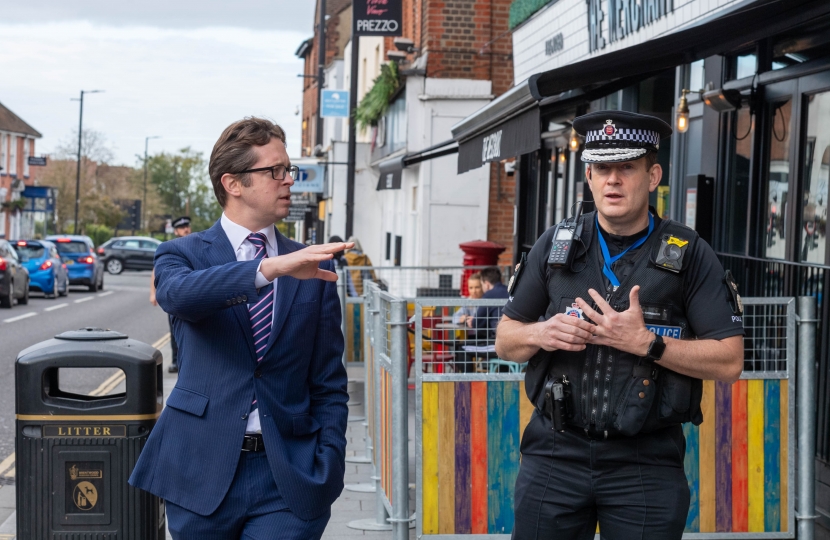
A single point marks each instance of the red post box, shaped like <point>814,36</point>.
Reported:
<point>478,253</point>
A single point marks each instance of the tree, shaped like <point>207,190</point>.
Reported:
<point>183,187</point>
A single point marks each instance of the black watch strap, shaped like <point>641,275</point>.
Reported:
<point>656,349</point>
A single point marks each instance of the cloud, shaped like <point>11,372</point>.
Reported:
<point>257,14</point>
<point>185,84</point>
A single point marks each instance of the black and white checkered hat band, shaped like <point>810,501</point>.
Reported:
<point>642,136</point>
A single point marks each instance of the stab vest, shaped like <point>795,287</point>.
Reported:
<point>611,390</point>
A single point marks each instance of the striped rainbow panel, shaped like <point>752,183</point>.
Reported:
<point>385,435</point>
<point>737,459</point>
<point>470,434</point>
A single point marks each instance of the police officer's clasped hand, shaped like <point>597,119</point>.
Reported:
<point>625,330</point>
<point>564,332</point>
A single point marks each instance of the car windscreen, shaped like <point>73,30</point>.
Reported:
<point>72,247</point>
<point>32,251</point>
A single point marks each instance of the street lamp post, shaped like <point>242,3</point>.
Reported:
<point>78,174</point>
<point>144,203</point>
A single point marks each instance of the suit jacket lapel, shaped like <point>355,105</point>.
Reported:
<point>221,252</point>
<point>286,289</point>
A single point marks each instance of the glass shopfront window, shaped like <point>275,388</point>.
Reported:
<point>737,181</point>
<point>816,176</point>
<point>778,179</point>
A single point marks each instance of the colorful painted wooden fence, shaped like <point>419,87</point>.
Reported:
<point>470,437</point>
<point>739,461</point>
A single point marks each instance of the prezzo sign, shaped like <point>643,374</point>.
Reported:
<point>491,147</point>
<point>378,17</point>
<point>625,17</point>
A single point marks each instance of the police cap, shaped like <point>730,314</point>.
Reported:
<point>614,136</point>
<point>183,221</point>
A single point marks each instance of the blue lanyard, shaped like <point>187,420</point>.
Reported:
<point>609,260</point>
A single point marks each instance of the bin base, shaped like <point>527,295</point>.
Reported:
<point>368,524</point>
<point>360,488</point>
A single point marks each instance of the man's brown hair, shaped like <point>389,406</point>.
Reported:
<point>234,151</point>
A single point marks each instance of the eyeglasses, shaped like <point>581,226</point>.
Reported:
<point>277,171</point>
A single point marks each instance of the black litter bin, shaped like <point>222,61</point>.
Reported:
<point>74,452</point>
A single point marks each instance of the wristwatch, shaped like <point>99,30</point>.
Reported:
<point>656,349</point>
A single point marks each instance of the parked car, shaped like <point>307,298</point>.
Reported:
<point>128,253</point>
<point>78,252</point>
<point>14,278</point>
<point>47,271</point>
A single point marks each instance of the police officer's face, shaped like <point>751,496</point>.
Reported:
<point>184,230</point>
<point>621,189</point>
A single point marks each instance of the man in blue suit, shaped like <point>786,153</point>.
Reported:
<point>252,442</point>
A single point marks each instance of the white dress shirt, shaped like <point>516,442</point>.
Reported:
<point>245,251</point>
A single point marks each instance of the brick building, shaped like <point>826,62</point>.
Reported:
<point>460,59</point>
<point>17,144</point>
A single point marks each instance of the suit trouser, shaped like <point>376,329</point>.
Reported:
<point>634,487</point>
<point>253,509</point>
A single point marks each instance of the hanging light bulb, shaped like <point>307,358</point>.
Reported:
<point>562,156</point>
<point>574,142</point>
<point>682,121</point>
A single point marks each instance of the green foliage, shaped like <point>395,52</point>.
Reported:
<point>521,10</point>
<point>376,101</point>
<point>184,187</point>
<point>14,206</point>
<point>98,233</point>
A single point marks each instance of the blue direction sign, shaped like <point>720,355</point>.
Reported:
<point>310,179</point>
<point>335,104</point>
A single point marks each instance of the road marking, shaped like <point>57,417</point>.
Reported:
<point>105,294</point>
<point>53,308</point>
<point>21,317</point>
<point>84,299</point>
<point>10,474</point>
<point>162,342</point>
<point>107,385</point>
<point>6,463</point>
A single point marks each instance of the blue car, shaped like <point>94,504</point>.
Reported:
<point>47,272</point>
<point>78,253</point>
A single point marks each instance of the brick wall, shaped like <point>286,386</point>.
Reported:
<point>338,32</point>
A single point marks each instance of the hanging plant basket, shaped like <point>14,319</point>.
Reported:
<point>376,101</point>
<point>14,207</point>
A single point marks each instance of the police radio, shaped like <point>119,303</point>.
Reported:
<point>564,239</point>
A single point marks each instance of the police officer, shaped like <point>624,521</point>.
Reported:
<point>619,335</point>
<point>181,228</point>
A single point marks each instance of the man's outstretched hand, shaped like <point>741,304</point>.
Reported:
<point>303,264</point>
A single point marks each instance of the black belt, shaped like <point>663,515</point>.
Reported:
<point>253,443</point>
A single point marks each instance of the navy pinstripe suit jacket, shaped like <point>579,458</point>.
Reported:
<point>300,385</point>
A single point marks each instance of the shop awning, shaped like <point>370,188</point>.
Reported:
<point>391,172</point>
<point>513,137</point>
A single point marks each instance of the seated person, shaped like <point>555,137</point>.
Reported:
<point>481,339</point>
<point>466,314</point>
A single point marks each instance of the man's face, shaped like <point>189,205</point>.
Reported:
<point>486,286</point>
<point>621,189</point>
<point>474,288</point>
<point>184,230</point>
<point>269,198</point>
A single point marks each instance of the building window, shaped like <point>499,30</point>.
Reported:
<point>395,136</point>
<point>398,247</point>
<point>26,143</point>
<point>388,246</point>
<point>736,199</point>
<point>13,155</point>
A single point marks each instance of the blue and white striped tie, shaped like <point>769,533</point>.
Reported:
<point>261,313</point>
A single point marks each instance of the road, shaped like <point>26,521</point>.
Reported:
<point>123,306</point>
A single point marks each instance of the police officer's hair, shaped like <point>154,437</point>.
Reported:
<point>651,159</point>
<point>491,275</point>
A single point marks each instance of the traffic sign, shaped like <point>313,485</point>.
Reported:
<point>335,104</point>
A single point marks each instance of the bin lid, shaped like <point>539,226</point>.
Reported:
<point>91,334</point>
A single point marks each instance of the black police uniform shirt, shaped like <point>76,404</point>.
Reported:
<point>706,296</point>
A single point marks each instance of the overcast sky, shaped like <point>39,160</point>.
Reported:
<point>181,69</point>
